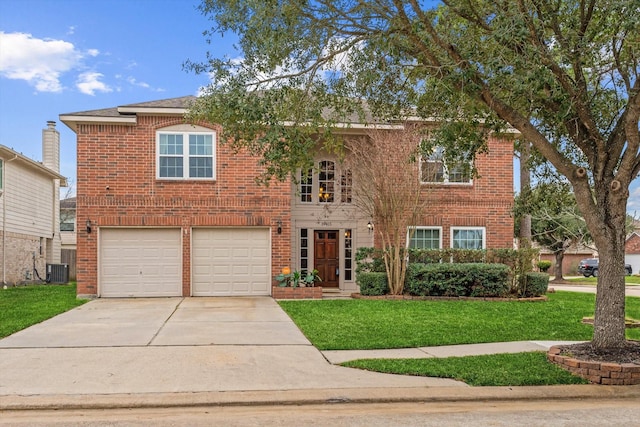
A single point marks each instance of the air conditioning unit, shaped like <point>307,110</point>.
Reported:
<point>57,273</point>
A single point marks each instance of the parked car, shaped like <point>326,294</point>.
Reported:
<point>589,267</point>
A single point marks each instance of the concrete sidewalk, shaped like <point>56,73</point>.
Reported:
<point>127,353</point>
<point>341,356</point>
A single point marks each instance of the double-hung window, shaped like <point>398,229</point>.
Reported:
<point>434,169</point>
<point>186,155</point>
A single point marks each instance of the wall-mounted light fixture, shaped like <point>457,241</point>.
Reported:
<point>279,223</point>
<point>370,226</point>
<point>88,226</point>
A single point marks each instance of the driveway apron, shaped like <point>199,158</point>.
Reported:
<point>156,345</point>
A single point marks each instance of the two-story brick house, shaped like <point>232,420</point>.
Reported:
<point>165,209</point>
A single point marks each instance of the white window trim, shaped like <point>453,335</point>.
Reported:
<point>186,155</point>
<point>424,227</point>
<point>483,229</point>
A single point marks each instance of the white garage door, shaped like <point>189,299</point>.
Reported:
<point>231,261</point>
<point>140,262</point>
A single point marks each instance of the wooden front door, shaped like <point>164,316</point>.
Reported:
<point>326,257</point>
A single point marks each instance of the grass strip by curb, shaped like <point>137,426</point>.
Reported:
<point>515,369</point>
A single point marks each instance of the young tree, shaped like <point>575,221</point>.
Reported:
<point>563,73</point>
<point>556,222</point>
<point>393,198</point>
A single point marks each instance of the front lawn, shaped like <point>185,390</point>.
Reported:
<point>379,324</point>
<point>24,306</point>
<point>519,369</point>
<point>628,280</point>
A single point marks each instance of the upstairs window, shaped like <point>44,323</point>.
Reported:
<point>186,155</point>
<point>326,181</point>
<point>306,186</point>
<point>346,183</point>
<point>1,174</point>
<point>434,169</point>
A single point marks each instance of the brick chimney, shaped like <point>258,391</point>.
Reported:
<point>51,147</point>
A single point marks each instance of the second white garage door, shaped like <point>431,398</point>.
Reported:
<point>231,261</point>
<point>145,262</point>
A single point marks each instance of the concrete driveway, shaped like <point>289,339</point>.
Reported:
<point>165,345</point>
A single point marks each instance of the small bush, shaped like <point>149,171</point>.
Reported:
<point>455,280</point>
<point>544,265</point>
<point>534,285</point>
<point>373,283</point>
<point>369,260</point>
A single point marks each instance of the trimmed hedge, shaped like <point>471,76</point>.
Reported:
<point>534,285</point>
<point>458,280</point>
<point>373,283</point>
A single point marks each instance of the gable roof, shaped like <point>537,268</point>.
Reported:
<point>126,114</point>
<point>10,155</point>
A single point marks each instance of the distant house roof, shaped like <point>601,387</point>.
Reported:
<point>10,155</point>
<point>68,203</point>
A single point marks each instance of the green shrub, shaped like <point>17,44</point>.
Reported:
<point>373,283</point>
<point>534,285</point>
<point>369,260</point>
<point>544,265</point>
<point>455,280</point>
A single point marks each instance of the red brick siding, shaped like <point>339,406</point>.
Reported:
<point>117,186</point>
<point>486,203</point>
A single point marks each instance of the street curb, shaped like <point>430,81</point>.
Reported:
<point>314,397</point>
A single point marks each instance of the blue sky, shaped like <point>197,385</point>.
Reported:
<point>64,56</point>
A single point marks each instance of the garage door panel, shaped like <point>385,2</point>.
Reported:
<point>140,262</point>
<point>231,262</point>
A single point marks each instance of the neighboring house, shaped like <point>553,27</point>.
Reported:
<point>68,234</point>
<point>632,251</point>
<point>572,257</point>
<point>165,209</point>
<point>29,211</point>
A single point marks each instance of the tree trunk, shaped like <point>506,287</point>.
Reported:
<point>607,225</point>
<point>525,189</point>
<point>558,267</point>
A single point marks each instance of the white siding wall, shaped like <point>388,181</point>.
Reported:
<point>29,201</point>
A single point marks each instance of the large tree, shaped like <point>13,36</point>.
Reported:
<point>564,73</point>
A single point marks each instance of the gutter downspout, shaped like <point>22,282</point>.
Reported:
<point>4,221</point>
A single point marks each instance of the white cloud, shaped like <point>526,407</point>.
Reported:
<point>89,82</point>
<point>133,82</point>
<point>40,62</point>
<point>93,52</point>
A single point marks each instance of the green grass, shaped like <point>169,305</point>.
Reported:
<point>22,307</point>
<point>520,369</point>
<point>379,324</point>
<point>629,280</point>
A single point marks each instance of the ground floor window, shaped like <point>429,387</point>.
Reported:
<point>425,238</point>
<point>304,250</point>
<point>348,255</point>
<point>468,237</point>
